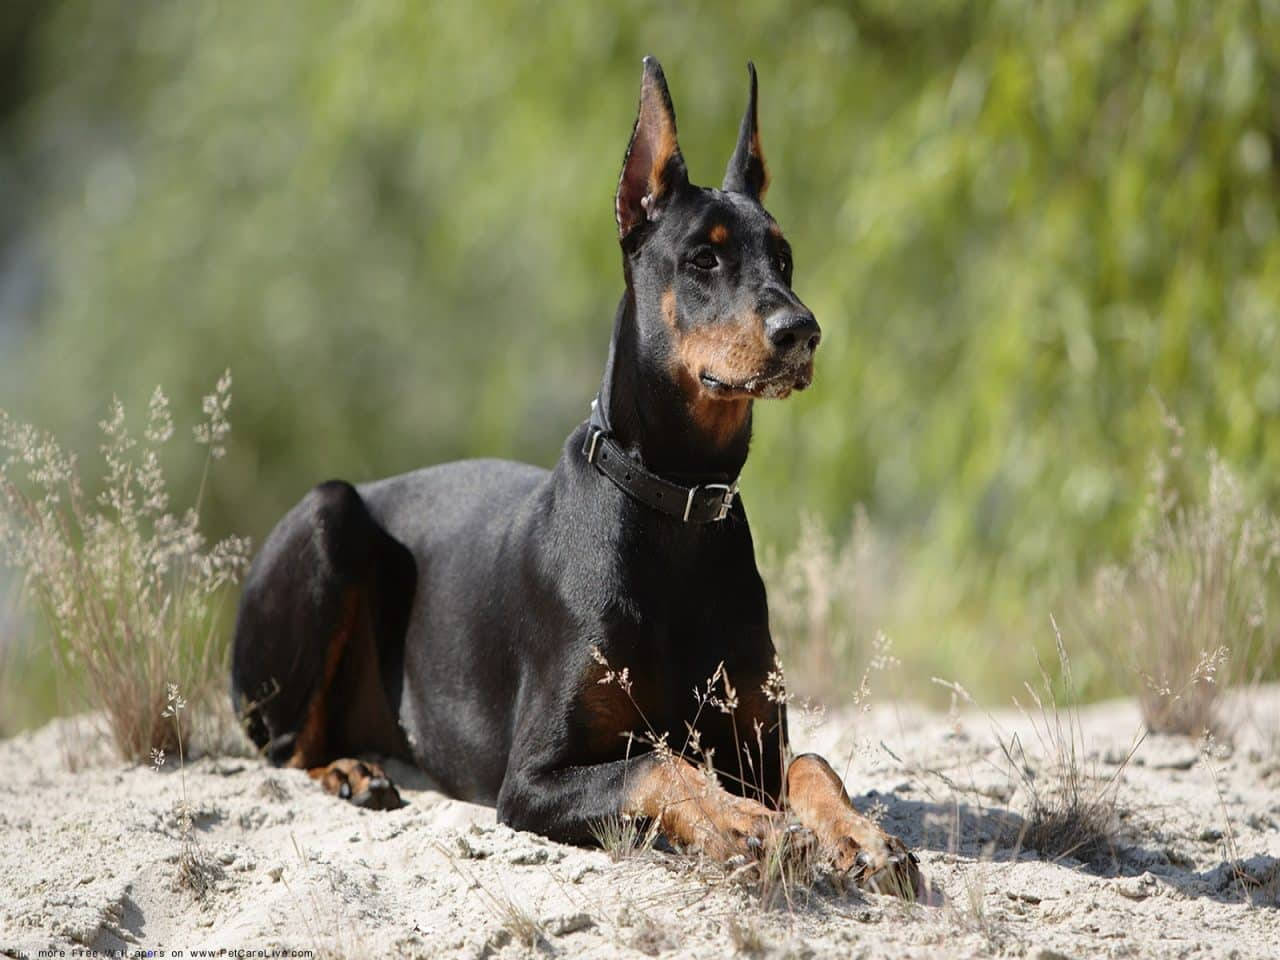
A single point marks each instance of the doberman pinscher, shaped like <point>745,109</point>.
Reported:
<point>463,617</point>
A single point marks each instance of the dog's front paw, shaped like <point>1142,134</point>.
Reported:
<point>740,827</point>
<point>880,863</point>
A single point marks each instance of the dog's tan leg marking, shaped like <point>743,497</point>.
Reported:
<point>818,799</point>
<point>313,739</point>
<point>363,783</point>
<point>694,811</point>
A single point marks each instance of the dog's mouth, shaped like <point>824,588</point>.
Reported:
<point>775,385</point>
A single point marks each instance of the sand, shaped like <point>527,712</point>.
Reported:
<point>92,859</point>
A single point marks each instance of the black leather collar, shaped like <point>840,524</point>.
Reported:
<point>705,503</point>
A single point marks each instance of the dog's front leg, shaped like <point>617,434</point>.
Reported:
<point>690,807</point>
<point>694,811</point>
<point>878,860</point>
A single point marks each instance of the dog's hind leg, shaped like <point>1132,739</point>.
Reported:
<point>319,639</point>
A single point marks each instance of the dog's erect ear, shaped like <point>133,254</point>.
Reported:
<point>653,169</point>
<point>747,172</point>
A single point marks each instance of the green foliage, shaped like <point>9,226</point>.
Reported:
<point>1019,225</point>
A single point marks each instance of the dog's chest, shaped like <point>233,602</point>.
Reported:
<point>689,695</point>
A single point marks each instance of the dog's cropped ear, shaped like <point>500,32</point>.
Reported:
<point>653,170</point>
<point>747,172</point>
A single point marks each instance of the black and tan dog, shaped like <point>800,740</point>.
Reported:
<point>457,616</point>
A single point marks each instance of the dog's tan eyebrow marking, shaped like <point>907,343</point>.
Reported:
<point>669,307</point>
<point>719,233</point>
<point>775,230</point>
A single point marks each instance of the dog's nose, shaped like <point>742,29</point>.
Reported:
<point>793,331</point>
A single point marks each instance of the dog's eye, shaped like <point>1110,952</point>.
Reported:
<point>784,265</point>
<point>704,259</point>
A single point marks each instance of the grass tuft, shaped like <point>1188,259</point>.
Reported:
<point>128,589</point>
<point>1071,810</point>
<point>514,920</point>
<point>1189,613</point>
<point>623,837</point>
<point>791,868</point>
<point>196,872</point>
<point>744,933</point>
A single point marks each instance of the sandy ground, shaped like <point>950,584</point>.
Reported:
<point>91,859</point>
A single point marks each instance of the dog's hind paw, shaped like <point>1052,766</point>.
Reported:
<point>362,783</point>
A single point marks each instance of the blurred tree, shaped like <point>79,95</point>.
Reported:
<point>1019,224</point>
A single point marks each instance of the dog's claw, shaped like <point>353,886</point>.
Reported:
<point>800,837</point>
<point>895,874</point>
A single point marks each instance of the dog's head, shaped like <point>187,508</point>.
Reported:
<point>710,268</point>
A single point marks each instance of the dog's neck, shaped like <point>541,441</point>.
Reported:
<point>648,413</point>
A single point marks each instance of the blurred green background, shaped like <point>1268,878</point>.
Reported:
<point>1024,227</point>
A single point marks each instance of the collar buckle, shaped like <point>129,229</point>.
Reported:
<point>596,434</point>
<point>728,492</point>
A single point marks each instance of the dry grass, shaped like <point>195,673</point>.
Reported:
<point>790,870</point>
<point>514,920</point>
<point>826,603</point>
<point>1190,612</point>
<point>1070,807</point>
<point>196,872</point>
<point>969,912</point>
<point>128,590</point>
<point>744,933</point>
<point>331,933</point>
<point>623,837</point>
<point>1256,880</point>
